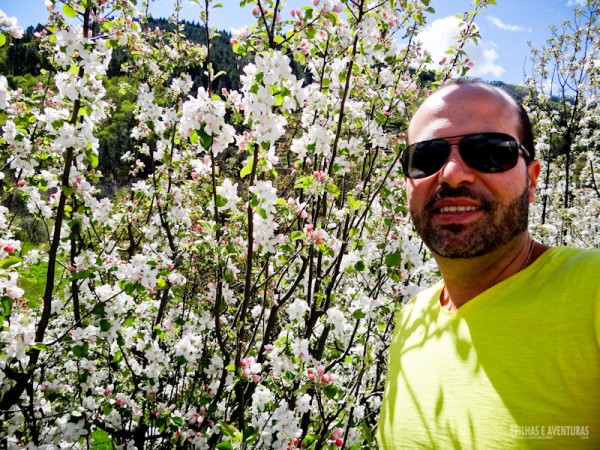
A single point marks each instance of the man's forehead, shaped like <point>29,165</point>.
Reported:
<point>472,107</point>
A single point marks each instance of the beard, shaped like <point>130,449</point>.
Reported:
<point>503,223</point>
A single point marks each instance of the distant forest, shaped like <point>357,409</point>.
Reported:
<point>23,66</point>
<point>22,56</point>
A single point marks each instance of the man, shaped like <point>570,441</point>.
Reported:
<point>504,352</point>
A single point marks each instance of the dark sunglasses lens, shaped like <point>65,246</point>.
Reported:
<point>490,152</point>
<point>423,159</point>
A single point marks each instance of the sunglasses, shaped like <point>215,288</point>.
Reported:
<point>485,152</point>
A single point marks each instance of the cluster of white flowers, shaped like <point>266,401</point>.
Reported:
<point>17,339</point>
<point>11,24</point>
<point>207,115</point>
<point>277,428</point>
<point>265,224</point>
<point>297,309</point>
<point>264,111</point>
<point>228,191</point>
<point>5,94</point>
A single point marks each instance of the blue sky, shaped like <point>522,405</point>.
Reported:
<point>503,52</point>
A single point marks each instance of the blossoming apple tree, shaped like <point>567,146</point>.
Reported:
<point>210,308</point>
<point>563,99</point>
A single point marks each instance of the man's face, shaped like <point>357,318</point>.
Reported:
<point>460,212</point>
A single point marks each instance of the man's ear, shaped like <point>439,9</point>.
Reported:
<point>534,168</point>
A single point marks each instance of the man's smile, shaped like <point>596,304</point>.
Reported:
<point>456,209</point>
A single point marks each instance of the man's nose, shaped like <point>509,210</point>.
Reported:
<point>455,171</point>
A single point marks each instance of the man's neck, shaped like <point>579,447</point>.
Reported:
<point>466,278</point>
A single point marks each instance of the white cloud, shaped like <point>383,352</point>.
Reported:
<point>576,3</point>
<point>506,26</point>
<point>440,36</point>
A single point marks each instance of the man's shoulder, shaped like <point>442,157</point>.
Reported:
<point>572,257</point>
<point>567,271</point>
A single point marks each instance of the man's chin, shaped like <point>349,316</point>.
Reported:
<point>458,243</point>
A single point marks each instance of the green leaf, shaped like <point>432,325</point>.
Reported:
<point>279,99</point>
<point>221,201</point>
<point>39,346</point>
<point>326,250</point>
<point>105,325</point>
<point>177,421</point>
<point>229,430</point>
<point>9,262</point>
<point>360,266</point>
<point>260,77</point>
<point>93,159</point>
<point>194,137</point>
<point>161,422</point>
<point>2,39</point>
<point>250,435</point>
<point>303,183</point>
<point>393,259</point>
<point>99,310</point>
<point>247,169</point>
<point>333,190</point>
<point>331,391</point>
<point>358,314</point>
<point>69,11</point>
<point>297,235</point>
<point>333,18</point>
<point>82,275</point>
<point>80,350</point>
<point>224,446</point>
<point>6,304</point>
<point>300,58</point>
<point>206,140</point>
<point>308,440</point>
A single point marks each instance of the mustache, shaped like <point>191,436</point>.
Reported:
<point>446,191</point>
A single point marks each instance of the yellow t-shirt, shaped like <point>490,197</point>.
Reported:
<point>516,367</point>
